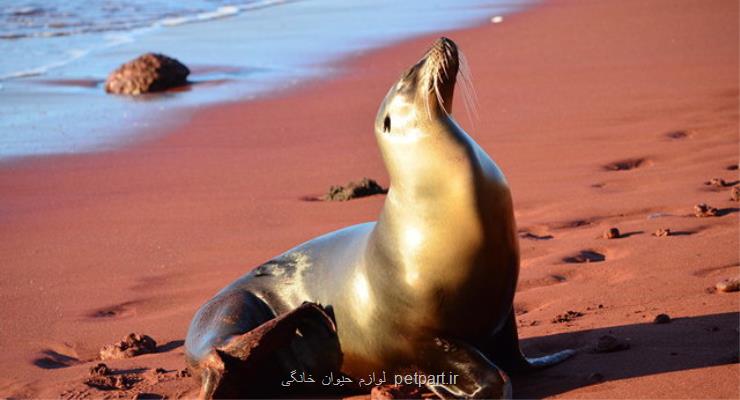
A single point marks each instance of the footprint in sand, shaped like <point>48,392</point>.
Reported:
<point>627,164</point>
<point>585,256</point>
<point>54,359</point>
<point>714,271</point>
<point>121,310</point>
<point>535,236</point>
<point>576,223</point>
<point>549,280</point>
<point>678,135</point>
<point>590,221</point>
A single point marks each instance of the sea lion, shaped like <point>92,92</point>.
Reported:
<point>428,288</point>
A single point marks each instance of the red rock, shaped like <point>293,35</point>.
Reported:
<point>662,319</point>
<point>728,285</point>
<point>353,190</point>
<point>703,210</point>
<point>609,343</point>
<point>132,345</point>
<point>611,233</point>
<point>662,232</point>
<point>148,73</point>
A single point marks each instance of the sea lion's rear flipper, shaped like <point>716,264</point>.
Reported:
<point>503,348</point>
<point>211,370</point>
<point>454,369</point>
<point>254,363</point>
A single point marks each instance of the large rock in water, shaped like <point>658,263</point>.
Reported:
<point>150,72</point>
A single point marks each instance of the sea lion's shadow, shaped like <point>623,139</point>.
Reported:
<point>683,344</point>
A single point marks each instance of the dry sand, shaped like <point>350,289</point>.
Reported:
<point>572,95</point>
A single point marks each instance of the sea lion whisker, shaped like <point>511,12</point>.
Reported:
<point>439,96</point>
<point>426,101</point>
<point>470,97</point>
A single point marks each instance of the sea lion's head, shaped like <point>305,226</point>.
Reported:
<point>414,126</point>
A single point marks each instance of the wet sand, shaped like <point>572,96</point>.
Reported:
<point>601,114</point>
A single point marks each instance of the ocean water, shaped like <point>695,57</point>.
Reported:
<point>57,54</point>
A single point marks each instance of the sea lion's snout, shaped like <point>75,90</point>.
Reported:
<point>434,72</point>
<point>443,57</point>
<point>441,65</point>
<point>424,92</point>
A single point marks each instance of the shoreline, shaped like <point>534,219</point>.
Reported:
<point>146,233</point>
<point>261,51</point>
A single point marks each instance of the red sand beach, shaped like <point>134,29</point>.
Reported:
<point>601,114</point>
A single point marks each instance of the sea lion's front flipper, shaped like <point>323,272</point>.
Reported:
<point>454,370</point>
<point>250,364</point>
<point>503,349</point>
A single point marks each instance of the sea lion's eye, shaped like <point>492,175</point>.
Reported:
<point>387,124</point>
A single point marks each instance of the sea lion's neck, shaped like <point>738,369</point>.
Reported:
<point>431,203</point>
<point>429,157</point>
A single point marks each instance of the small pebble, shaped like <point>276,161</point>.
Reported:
<point>728,285</point>
<point>497,19</point>
<point>703,210</point>
<point>662,319</point>
<point>716,182</point>
<point>612,233</point>
<point>609,343</point>
<point>100,370</point>
<point>662,232</point>
<point>735,193</point>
